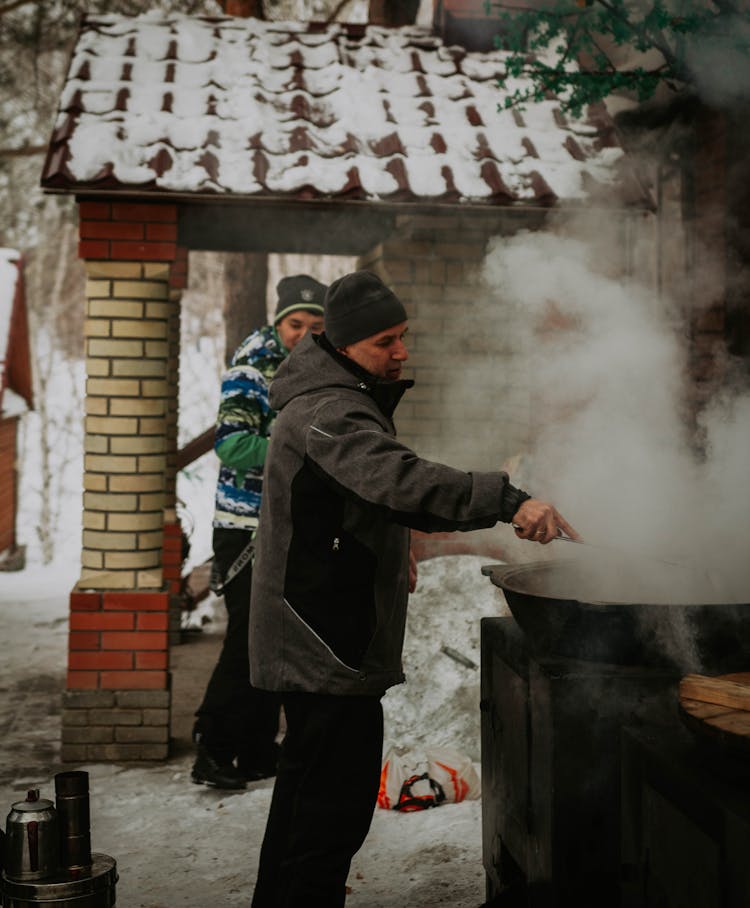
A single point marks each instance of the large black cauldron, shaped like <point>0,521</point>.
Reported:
<point>626,613</point>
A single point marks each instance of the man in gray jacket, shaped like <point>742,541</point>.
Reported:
<point>332,578</point>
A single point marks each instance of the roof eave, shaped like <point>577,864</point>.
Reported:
<point>83,191</point>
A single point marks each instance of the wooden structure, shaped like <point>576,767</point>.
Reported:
<point>719,710</point>
<point>685,823</point>
<point>16,396</point>
<point>700,154</point>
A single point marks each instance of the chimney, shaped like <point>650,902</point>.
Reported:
<point>393,13</point>
<point>243,9</point>
<point>465,22</point>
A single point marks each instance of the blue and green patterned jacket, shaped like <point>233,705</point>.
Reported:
<point>243,426</point>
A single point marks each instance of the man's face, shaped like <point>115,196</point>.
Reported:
<point>293,327</point>
<point>381,354</point>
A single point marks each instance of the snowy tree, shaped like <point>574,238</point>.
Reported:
<point>51,466</point>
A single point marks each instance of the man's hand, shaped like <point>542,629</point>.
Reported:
<point>539,521</point>
<point>412,571</point>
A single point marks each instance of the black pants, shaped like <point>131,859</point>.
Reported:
<point>323,800</point>
<point>236,719</point>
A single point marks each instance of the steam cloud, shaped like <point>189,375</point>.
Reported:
<point>609,386</point>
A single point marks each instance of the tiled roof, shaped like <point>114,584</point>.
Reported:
<point>230,106</point>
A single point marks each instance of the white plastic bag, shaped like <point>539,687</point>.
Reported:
<point>415,781</point>
<point>455,773</point>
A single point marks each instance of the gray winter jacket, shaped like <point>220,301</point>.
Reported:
<point>330,583</point>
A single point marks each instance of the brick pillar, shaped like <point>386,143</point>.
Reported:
<point>127,404</point>
<point>117,702</point>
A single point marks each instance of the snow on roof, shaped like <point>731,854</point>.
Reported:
<point>9,274</point>
<point>282,109</point>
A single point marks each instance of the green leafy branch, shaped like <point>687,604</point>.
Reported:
<point>566,49</point>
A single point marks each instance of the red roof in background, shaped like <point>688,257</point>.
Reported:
<point>241,107</point>
<point>15,356</point>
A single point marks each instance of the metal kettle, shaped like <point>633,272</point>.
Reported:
<point>31,846</point>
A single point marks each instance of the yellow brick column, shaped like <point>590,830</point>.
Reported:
<point>129,396</point>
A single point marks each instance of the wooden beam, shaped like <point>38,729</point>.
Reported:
<point>720,691</point>
<point>321,230</point>
<point>195,449</point>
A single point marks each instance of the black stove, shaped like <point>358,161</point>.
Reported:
<point>565,681</point>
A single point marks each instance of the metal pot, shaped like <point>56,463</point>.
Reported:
<point>31,848</point>
<point>625,613</point>
<point>95,887</point>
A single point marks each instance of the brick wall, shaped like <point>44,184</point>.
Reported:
<point>118,640</point>
<point>127,231</point>
<point>132,351</point>
<point>470,404</point>
<point>108,725</point>
<point>117,702</point>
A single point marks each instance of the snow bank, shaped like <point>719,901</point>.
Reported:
<point>439,704</point>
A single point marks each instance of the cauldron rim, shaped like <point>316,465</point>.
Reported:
<point>509,577</point>
<point>623,632</point>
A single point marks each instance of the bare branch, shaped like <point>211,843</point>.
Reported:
<point>9,7</point>
<point>651,37</point>
<point>603,53</point>
<point>727,8</point>
<point>339,6</point>
<point>571,42</point>
<point>25,151</point>
<point>521,8</point>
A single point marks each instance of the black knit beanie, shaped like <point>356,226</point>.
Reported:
<point>299,292</point>
<point>359,305</point>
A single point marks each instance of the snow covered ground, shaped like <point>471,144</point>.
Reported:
<point>179,844</point>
